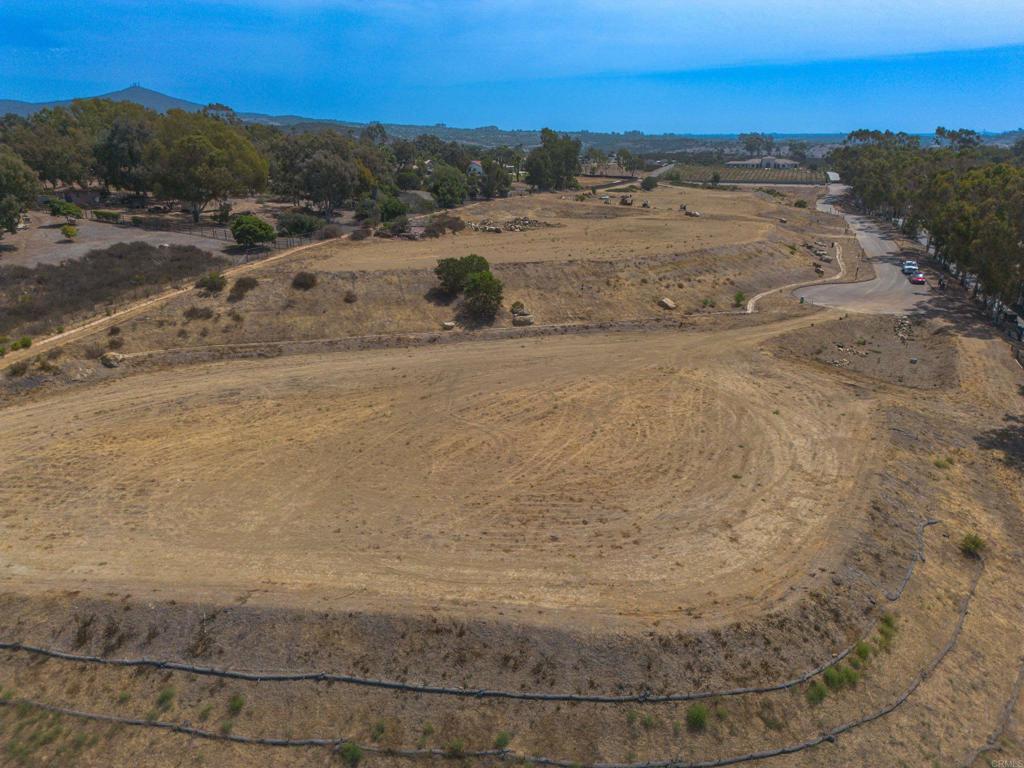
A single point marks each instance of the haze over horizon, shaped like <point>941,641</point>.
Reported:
<point>703,67</point>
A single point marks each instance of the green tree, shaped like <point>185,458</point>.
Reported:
<point>454,272</point>
<point>120,152</point>
<point>328,179</point>
<point>496,181</point>
<point>448,185</point>
<point>250,230</point>
<point>626,160</point>
<point>595,159</point>
<point>197,158</point>
<point>483,295</point>
<point>555,164</point>
<point>649,183</point>
<point>18,189</point>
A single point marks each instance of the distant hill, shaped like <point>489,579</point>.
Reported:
<point>485,136</point>
<point>154,100</point>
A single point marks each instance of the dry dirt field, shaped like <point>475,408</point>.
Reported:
<point>617,502</point>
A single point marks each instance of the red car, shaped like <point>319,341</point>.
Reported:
<point>918,278</point>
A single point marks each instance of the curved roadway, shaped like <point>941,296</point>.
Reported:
<point>890,292</point>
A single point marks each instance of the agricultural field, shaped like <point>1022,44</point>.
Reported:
<point>632,532</point>
<point>732,175</point>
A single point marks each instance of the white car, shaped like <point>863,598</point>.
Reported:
<point>909,267</point>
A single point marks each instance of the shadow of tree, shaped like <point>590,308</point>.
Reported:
<point>1008,439</point>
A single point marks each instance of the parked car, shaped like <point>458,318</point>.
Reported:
<point>918,278</point>
<point>910,267</point>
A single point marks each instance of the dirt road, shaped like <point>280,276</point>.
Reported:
<point>890,292</point>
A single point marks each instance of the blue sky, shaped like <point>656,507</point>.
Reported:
<point>700,66</point>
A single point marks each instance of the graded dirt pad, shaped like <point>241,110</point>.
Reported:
<point>479,477</point>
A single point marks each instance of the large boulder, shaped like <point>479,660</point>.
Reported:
<point>112,359</point>
<point>522,320</point>
<point>666,303</point>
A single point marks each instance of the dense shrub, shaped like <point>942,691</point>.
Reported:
<point>212,282</point>
<point>66,209</point>
<point>198,313</point>
<point>391,208</point>
<point>739,299</point>
<point>800,204</point>
<point>298,224</point>
<point>359,234</point>
<point>443,222</point>
<point>454,272</point>
<point>399,225</point>
<point>69,232</point>
<point>483,295</point>
<point>367,210</point>
<point>251,230</point>
<point>53,291</point>
<point>240,287</point>
<point>304,281</point>
<point>329,232</point>
<point>649,183</point>
<point>111,217</point>
<point>407,179</point>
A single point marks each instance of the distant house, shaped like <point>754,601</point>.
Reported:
<point>764,162</point>
<point>832,177</point>
<point>475,167</point>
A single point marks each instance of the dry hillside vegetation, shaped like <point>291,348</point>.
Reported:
<point>693,508</point>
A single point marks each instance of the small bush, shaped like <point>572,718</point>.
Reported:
<point>739,299</point>
<point>455,748</point>
<point>398,225</point>
<point>502,740</point>
<point>351,754</point>
<point>697,717</point>
<point>114,330</point>
<point>235,704</point>
<point>972,544</point>
<point>115,342</point>
<point>69,231</point>
<point>240,287</point>
<point>359,234</point>
<point>863,650</point>
<point>227,726</point>
<point>165,699</point>
<point>351,297</point>
<point>833,679</point>
<point>111,217</point>
<point>816,693</point>
<point>204,713</point>
<point>212,282</point>
<point>943,463</point>
<point>647,721</point>
<point>649,183</point>
<point>17,369</point>
<point>303,281</point>
<point>198,313</point>
<point>850,676</point>
<point>377,731</point>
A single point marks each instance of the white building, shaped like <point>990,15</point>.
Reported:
<point>764,162</point>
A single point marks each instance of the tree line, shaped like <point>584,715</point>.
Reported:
<point>203,158</point>
<point>966,197</point>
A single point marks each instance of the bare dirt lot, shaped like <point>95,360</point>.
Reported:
<point>724,501</point>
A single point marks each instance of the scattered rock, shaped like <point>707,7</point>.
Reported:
<point>448,325</point>
<point>112,359</point>
<point>522,320</point>
<point>666,302</point>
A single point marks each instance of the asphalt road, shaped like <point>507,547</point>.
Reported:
<point>890,292</point>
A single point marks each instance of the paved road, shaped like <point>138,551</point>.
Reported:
<point>890,292</point>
